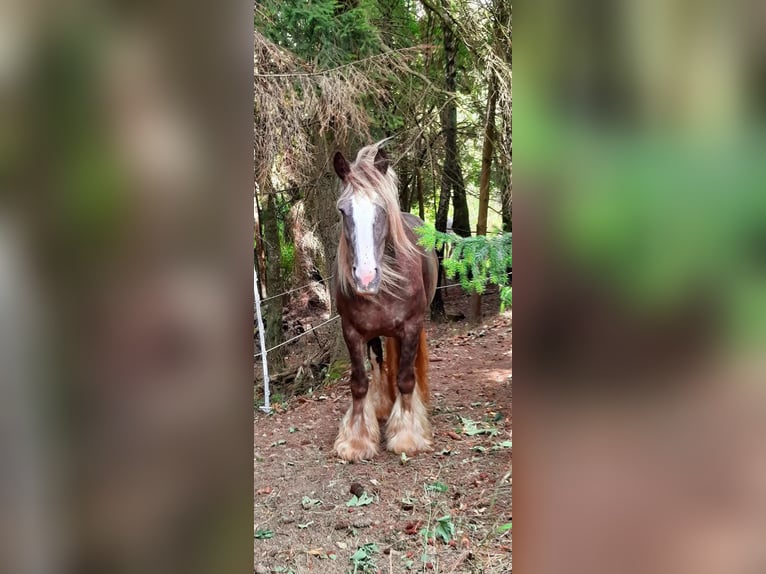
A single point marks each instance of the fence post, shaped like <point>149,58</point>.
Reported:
<point>267,405</point>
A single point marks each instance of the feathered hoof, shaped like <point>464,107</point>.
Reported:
<point>356,449</point>
<point>409,443</point>
<point>358,436</point>
<point>408,429</point>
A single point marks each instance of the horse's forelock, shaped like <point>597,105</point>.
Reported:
<point>366,179</point>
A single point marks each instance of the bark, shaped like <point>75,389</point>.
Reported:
<point>274,284</point>
<point>507,199</point>
<point>452,184</point>
<point>503,20</point>
<point>309,255</point>
<point>487,152</point>
<point>404,186</point>
<point>419,187</point>
<point>452,175</point>
<point>322,213</point>
<point>259,255</point>
<point>484,178</point>
<point>506,189</point>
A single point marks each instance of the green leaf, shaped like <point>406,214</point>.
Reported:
<point>445,529</point>
<point>436,487</point>
<point>264,534</point>
<point>363,500</point>
<point>505,528</point>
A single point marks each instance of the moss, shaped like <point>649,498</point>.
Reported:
<point>337,369</point>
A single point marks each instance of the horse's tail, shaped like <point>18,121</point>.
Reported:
<point>391,357</point>
<point>421,365</point>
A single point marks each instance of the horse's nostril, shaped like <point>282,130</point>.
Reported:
<point>354,268</point>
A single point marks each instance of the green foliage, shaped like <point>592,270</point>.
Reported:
<point>473,428</point>
<point>362,500</point>
<point>474,261</point>
<point>337,369</point>
<point>325,31</point>
<point>506,297</point>
<point>444,529</point>
<point>362,559</point>
<point>287,252</point>
<point>436,487</point>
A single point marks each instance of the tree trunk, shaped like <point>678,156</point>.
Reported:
<point>404,186</point>
<point>452,185</point>
<point>322,212</point>
<point>506,189</point>
<point>419,187</point>
<point>507,199</point>
<point>259,255</point>
<point>271,240</point>
<point>486,170</point>
<point>309,255</point>
<point>452,175</point>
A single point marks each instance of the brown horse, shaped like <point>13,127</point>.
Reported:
<point>385,282</point>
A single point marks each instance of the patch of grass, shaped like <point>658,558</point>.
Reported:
<point>336,369</point>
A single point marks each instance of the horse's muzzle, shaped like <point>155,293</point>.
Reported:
<point>367,283</point>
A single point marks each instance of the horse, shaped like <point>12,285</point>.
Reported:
<point>385,282</point>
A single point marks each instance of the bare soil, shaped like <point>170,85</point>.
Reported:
<point>302,522</point>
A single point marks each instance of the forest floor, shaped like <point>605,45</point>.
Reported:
<point>445,511</point>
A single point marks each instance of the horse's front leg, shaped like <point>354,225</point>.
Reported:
<point>408,429</point>
<point>359,434</point>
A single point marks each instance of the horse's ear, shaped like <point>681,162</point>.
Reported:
<point>381,161</point>
<point>341,165</point>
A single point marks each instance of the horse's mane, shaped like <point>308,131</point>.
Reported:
<point>366,179</point>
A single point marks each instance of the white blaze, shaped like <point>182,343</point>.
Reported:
<point>364,220</point>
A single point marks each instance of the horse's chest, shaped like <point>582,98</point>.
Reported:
<point>372,319</point>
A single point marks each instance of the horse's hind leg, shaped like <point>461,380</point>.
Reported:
<point>359,434</point>
<point>408,429</point>
<point>381,394</point>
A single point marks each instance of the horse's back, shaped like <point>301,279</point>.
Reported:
<point>430,261</point>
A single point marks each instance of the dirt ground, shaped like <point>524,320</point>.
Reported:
<point>445,511</point>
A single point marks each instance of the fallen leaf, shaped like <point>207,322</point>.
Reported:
<point>412,528</point>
